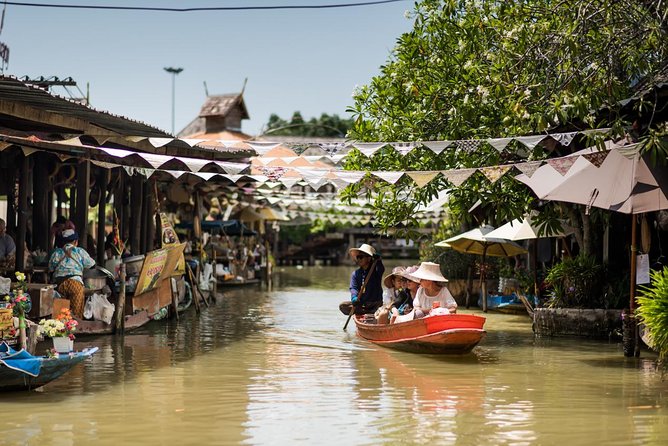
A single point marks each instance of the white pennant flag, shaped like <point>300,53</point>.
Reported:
<point>368,148</point>
<point>159,142</point>
<point>436,146</point>
<point>390,177</point>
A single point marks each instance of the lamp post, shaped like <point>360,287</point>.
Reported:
<point>174,72</point>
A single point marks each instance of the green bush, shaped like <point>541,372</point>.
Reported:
<point>653,309</point>
<point>578,282</point>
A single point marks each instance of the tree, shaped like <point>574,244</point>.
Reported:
<point>325,126</point>
<point>480,69</point>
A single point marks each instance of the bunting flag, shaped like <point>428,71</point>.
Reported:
<point>159,142</point>
<point>436,146</point>
<point>390,177</point>
<point>468,145</point>
<point>273,173</point>
<point>596,158</point>
<point>457,177</point>
<point>529,167</point>
<point>493,173</point>
<point>421,179</point>
<point>531,141</point>
<point>499,143</point>
<point>562,165</point>
<point>261,147</point>
<point>403,147</point>
<point>565,139</point>
<point>368,148</point>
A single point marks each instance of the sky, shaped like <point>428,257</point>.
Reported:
<point>295,60</point>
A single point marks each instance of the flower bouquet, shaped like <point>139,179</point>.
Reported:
<point>62,326</point>
<point>61,330</point>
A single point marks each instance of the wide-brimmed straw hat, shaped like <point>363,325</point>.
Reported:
<point>396,272</point>
<point>366,249</point>
<point>408,274</point>
<point>430,271</point>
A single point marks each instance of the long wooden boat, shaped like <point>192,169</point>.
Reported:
<point>23,371</point>
<point>86,327</point>
<point>453,333</point>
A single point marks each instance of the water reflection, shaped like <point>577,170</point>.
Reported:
<point>274,367</point>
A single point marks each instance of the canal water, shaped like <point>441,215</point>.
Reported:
<point>275,367</point>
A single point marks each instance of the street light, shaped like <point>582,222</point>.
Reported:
<point>174,72</point>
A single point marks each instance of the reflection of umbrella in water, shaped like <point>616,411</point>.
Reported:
<point>476,241</point>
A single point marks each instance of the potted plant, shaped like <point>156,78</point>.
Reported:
<point>61,330</point>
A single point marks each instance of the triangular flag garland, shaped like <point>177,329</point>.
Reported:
<point>562,165</point>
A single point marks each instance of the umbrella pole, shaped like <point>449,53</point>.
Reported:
<point>632,280</point>
<point>483,280</point>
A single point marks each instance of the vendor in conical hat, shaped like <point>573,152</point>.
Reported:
<point>433,293</point>
<point>366,292</point>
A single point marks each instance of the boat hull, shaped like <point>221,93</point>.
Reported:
<point>51,369</point>
<point>453,334</point>
<point>131,322</point>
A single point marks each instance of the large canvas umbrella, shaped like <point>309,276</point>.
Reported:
<point>626,181</point>
<point>524,229</point>
<point>476,241</point>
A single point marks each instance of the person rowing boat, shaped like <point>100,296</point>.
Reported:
<point>366,292</point>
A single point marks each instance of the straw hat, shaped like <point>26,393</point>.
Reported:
<point>430,271</point>
<point>396,271</point>
<point>408,274</point>
<point>366,249</point>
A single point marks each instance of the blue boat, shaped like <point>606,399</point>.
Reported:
<point>19,370</point>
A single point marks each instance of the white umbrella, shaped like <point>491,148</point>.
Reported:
<point>476,241</point>
<point>524,229</point>
<point>626,182</point>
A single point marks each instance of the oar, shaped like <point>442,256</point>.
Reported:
<point>362,290</point>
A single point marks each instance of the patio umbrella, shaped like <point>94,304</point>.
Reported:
<point>525,229</point>
<point>626,182</point>
<point>476,241</point>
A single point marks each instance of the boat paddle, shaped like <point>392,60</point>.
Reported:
<point>362,290</point>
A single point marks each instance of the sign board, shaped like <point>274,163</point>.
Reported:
<point>642,270</point>
<point>174,258</point>
<point>6,321</point>
<point>169,238</point>
<point>151,271</point>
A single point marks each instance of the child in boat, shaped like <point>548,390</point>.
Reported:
<point>402,310</point>
<point>432,292</point>
<point>393,287</point>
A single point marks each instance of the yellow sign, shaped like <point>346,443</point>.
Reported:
<point>169,239</point>
<point>151,271</point>
<point>6,320</point>
<point>174,258</point>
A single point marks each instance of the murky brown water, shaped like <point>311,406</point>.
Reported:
<point>275,368</point>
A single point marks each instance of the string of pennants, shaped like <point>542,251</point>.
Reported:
<point>348,218</point>
<point>316,177</point>
<point>337,150</point>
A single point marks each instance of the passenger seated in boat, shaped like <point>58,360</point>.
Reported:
<point>402,310</point>
<point>366,292</point>
<point>393,285</point>
<point>432,289</point>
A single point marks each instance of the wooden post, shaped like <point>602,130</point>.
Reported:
<point>175,296</point>
<point>83,191</point>
<point>23,215</point>
<point>483,279</point>
<point>136,221</point>
<point>101,214</point>
<point>40,204</point>
<point>120,308</point>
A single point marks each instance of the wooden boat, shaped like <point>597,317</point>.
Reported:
<point>453,333</point>
<point>237,282</point>
<point>36,370</point>
<point>86,327</point>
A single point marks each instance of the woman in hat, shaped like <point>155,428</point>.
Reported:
<point>67,264</point>
<point>366,291</point>
<point>432,292</point>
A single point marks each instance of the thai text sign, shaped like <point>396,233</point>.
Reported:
<point>151,271</point>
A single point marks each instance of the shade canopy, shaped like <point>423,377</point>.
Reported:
<point>524,229</point>
<point>626,182</point>
<point>476,241</point>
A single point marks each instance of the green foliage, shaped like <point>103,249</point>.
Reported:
<point>577,282</point>
<point>653,309</point>
<point>325,126</point>
<point>476,69</point>
<point>297,234</point>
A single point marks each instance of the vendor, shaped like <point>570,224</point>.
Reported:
<point>7,245</point>
<point>67,265</point>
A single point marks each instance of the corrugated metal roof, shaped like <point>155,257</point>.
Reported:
<point>12,89</point>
